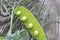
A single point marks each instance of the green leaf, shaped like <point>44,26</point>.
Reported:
<point>18,35</point>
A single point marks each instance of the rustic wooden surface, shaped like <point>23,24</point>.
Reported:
<point>53,28</point>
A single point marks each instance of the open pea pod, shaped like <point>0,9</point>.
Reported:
<point>30,22</point>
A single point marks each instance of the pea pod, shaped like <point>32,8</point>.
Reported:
<point>30,22</point>
<point>1,38</point>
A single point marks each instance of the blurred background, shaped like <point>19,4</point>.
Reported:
<point>47,12</point>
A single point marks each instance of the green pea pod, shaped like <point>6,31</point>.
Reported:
<point>30,22</point>
<point>1,38</point>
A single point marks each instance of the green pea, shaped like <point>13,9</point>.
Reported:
<point>18,12</point>
<point>30,22</point>
<point>23,18</point>
<point>30,25</point>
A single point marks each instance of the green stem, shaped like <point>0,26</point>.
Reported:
<point>11,21</point>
